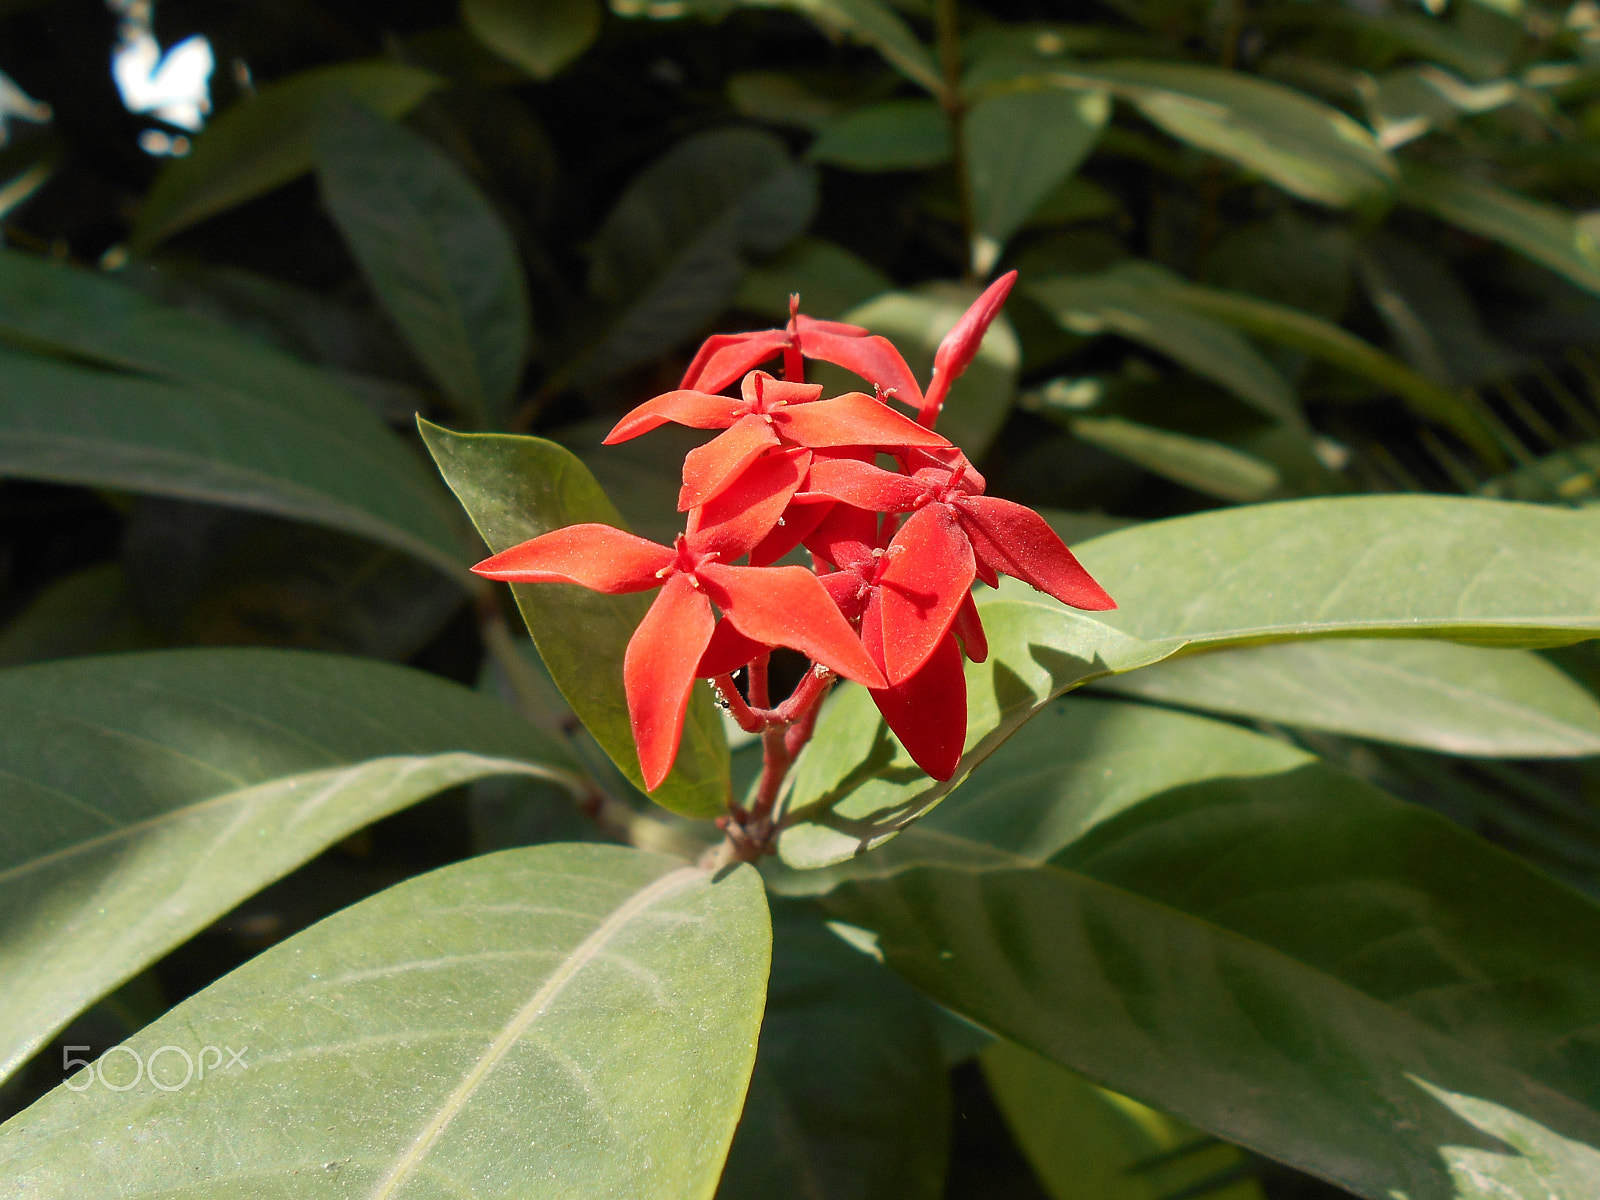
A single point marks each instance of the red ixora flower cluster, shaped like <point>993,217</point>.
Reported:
<point>888,602</point>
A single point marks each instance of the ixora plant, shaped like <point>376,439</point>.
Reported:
<point>1206,918</point>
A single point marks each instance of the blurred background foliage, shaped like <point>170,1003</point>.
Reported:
<point>1268,249</point>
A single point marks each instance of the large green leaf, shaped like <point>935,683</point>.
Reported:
<point>144,795</point>
<point>669,255</point>
<point>560,1021</point>
<point>516,488</point>
<point>439,259</point>
<point>264,141</point>
<point>849,1099</point>
<point>1547,234</point>
<point>1436,695</point>
<point>540,36</point>
<point>1019,148</point>
<point>138,396</point>
<point>1215,924</point>
<point>1086,1143</point>
<point>895,135</point>
<point>1304,146</point>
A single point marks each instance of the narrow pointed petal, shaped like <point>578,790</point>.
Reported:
<point>854,419</point>
<point>968,627</point>
<point>786,606</point>
<point>807,324</point>
<point>864,485</point>
<point>698,410</point>
<point>795,525</point>
<point>960,345</point>
<point>728,651</point>
<point>846,537</point>
<point>758,386</point>
<point>716,366</point>
<point>1017,541</point>
<point>597,557</point>
<point>873,358</point>
<point>658,671</point>
<point>928,712</point>
<point>710,468</point>
<point>930,570</point>
<point>740,516</point>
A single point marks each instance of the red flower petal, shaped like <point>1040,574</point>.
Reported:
<point>807,324</point>
<point>928,712</point>
<point>597,557</point>
<point>758,387</point>
<point>854,419</point>
<point>710,468</point>
<point>969,628</point>
<point>1017,541</point>
<point>724,357</point>
<point>846,537</point>
<point>658,671</point>
<point>698,410</point>
<point>740,516</point>
<point>786,606</point>
<point>729,650</point>
<point>864,485</point>
<point>930,570</point>
<point>796,524</point>
<point>873,358</point>
<point>960,345</point>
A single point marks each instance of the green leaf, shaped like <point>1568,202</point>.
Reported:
<point>145,398</point>
<point>1439,696</point>
<point>1545,1163</point>
<point>87,612</point>
<point>915,322</point>
<point>552,1022</point>
<point>147,794</point>
<point>516,488</point>
<point>849,1097</point>
<point>1125,304</point>
<point>264,141</point>
<point>540,36</point>
<point>669,256</point>
<point>1086,1143</point>
<point>1019,149</point>
<point>1215,924</point>
<point>896,135</point>
<point>1469,570</point>
<point>1200,463</point>
<point>782,98</point>
<point>1570,476</point>
<point>1552,236</point>
<point>829,279</point>
<point>437,255</point>
<point>1304,146</point>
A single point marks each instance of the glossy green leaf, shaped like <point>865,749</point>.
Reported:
<point>144,398</point>
<point>1124,304</point>
<point>1200,463</point>
<point>829,279</point>
<point>1086,1143</point>
<point>896,135</point>
<point>540,36</point>
<point>516,488</point>
<point>560,1021</point>
<point>849,1097</point>
<point>264,141</point>
<point>1019,148</point>
<point>1213,923</point>
<point>1436,695</point>
<point>1547,234</point>
<point>1308,148</point>
<point>915,322</point>
<point>1544,1164</point>
<point>670,254</point>
<point>437,255</point>
<point>147,794</point>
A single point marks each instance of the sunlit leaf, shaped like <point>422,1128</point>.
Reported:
<point>552,1022</point>
<point>540,36</point>
<point>1545,1163</point>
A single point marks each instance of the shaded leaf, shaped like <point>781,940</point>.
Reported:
<point>148,794</point>
<point>895,135</point>
<point>671,253</point>
<point>437,255</point>
<point>1436,695</point>
<point>829,279</point>
<point>516,488</point>
<point>1571,476</point>
<point>264,141</point>
<point>540,36</point>
<point>780,98</point>
<point>557,1021</point>
<point>1213,923</point>
<point>87,612</point>
<point>1200,463</point>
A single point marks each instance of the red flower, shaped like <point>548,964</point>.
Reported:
<point>960,346</point>
<point>778,606</point>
